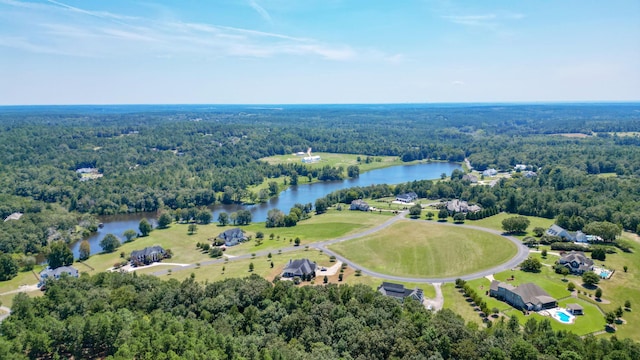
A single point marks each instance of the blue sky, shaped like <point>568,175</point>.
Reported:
<point>317,51</point>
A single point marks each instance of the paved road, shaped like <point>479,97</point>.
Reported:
<point>522,254</point>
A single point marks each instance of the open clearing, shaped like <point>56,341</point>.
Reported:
<point>335,160</point>
<point>422,249</point>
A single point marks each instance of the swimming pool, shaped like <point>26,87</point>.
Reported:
<point>563,317</point>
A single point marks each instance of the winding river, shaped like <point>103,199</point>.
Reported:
<point>303,193</point>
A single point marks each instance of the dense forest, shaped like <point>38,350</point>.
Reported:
<point>183,157</point>
<point>123,316</point>
<point>216,151</point>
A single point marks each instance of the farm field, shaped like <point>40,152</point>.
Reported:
<point>423,249</point>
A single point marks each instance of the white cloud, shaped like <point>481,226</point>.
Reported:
<point>260,10</point>
<point>457,83</point>
<point>55,27</point>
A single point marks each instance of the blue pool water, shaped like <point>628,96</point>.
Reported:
<point>564,317</point>
<point>604,274</point>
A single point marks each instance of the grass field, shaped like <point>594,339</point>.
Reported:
<point>320,227</point>
<point>335,160</point>
<point>424,249</point>
<point>495,222</point>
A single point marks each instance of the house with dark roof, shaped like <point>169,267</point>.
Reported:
<point>577,262</point>
<point>460,206</point>
<point>359,205</point>
<point>56,273</point>
<point>407,197</point>
<point>302,268</point>
<point>398,291</point>
<point>233,237</point>
<point>527,296</point>
<point>575,309</point>
<point>147,255</point>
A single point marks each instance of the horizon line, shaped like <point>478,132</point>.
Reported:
<point>541,102</point>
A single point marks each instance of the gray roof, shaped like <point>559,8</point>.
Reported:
<point>532,293</point>
<point>555,230</point>
<point>300,267</point>
<point>579,257</point>
<point>232,236</point>
<point>55,273</point>
<point>398,291</point>
<point>408,196</point>
<point>14,216</point>
<point>574,307</point>
<point>148,251</point>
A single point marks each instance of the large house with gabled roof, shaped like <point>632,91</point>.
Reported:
<point>527,296</point>
<point>302,268</point>
<point>577,262</point>
<point>232,237</point>
<point>398,291</point>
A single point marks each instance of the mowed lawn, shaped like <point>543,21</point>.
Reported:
<point>335,160</point>
<point>495,222</point>
<point>423,249</point>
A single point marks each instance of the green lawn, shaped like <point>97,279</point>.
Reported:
<point>23,278</point>
<point>455,301</point>
<point>240,268</point>
<point>335,160</point>
<point>621,287</point>
<point>320,227</point>
<point>424,249</point>
<point>546,279</point>
<point>330,225</point>
<point>495,222</point>
<point>592,320</point>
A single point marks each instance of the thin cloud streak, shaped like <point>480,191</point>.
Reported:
<point>260,10</point>
<point>120,35</point>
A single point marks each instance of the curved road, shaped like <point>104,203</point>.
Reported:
<point>521,255</point>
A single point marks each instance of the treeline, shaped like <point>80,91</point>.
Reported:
<point>123,316</point>
<point>213,154</point>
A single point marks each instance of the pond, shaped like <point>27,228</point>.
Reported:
<point>303,194</point>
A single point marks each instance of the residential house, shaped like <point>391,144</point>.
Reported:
<point>520,167</point>
<point>56,273</point>
<point>232,237</point>
<point>14,216</point>
<point>302,268</point>
<point>527,296</point>
<point>457,206</point>
<point>470,178</point>
<point>147,255</point>
<point>359,205</point>
<point>490,172</point>
<point>530,174</point>
<point>565,235</point>
<point>575,309</point>
<point>577,262</point>
<point>397,291</point>
<point>407,197</point>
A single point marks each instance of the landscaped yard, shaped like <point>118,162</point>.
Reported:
<point>495,222</point>
<point>424,249</point>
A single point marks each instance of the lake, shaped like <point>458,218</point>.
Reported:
<point>303,194</point>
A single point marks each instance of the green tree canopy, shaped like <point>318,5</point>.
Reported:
<point>59,255</point>
<point>109,243</point>
<point>145,227</point>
